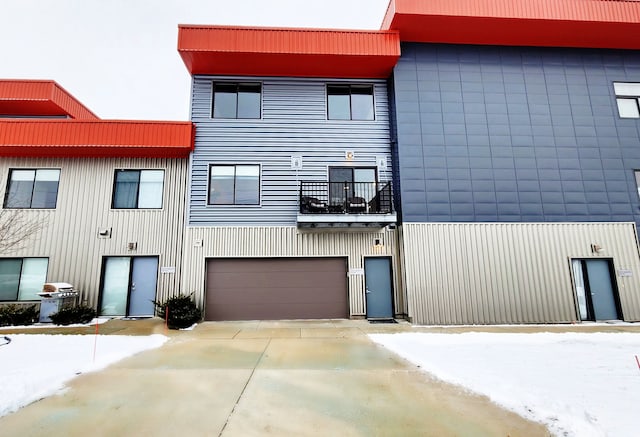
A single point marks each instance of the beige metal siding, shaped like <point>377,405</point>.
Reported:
<point>510,272</point>
<point>287,241</point>
<point>70,237</point>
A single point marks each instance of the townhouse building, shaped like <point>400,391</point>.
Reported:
<point>290,212</point>
<point>517,142</point>
<point>104,201</point>
<point>509,132</point>
<point>471,162</point>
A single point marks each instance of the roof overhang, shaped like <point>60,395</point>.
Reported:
<point>255,51</point>
<point>95,139</point>
<point>40,98</point>
<point>551,23</point>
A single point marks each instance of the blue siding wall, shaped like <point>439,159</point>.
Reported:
<point>514,134</point>
<point>294,122</point>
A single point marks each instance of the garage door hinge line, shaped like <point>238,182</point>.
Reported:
<point>246,384</point>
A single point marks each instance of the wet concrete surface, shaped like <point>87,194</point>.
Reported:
<point>270,378</point>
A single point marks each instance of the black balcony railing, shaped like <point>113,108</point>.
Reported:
<point>345,198</point>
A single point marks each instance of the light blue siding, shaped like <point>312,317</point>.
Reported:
<point>293,123</point>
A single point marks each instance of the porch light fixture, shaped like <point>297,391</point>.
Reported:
<point>378,246</point>
<point>596,248</point>
<point>349,155</point>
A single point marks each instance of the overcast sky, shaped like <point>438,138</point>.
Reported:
<point>119,57</point>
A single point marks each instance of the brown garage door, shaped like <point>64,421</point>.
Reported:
<point>280,288</point>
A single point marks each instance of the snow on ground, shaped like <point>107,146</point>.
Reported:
<point>35,366</point>
<point>576,384</point>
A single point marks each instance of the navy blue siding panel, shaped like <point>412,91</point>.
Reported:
<point>513,134</point>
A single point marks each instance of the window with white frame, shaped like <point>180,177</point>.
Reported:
<point>234,184</point>
<point>22,278</point>
<point>628,99</point>
<point>32,188</point>
<point>138,189</point>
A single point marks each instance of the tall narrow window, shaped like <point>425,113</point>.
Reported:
<point>234,185</point>
<point>138,189</point>
<point>33,188</point>
<point>637,173</point>
<point>628,99</point>
<point>236,100</point>
<point>350,102</point>
<point>22,278</point>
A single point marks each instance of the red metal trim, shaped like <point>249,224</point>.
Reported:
<point>288,52</point>
<point>45,98</point>
<point>552,23</point>
<point>95,139</point>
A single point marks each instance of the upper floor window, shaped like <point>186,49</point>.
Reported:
<point>22,278</point>
<point>138,189</point>
<point>234,185</point>
<point>236,100</point>
<point>33,188</point>
<point>350,102</point>
<point>628,99</point>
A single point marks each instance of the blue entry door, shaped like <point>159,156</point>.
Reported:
<point>129,286</point>
<point>144,278</point>
<point>379,290</point>
<point>601,289</point>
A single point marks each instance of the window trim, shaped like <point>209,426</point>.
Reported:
<point>234,205</point>
<point>139,170</point>
<point>351,86</point>
<point>236,83</point>
<point>22,259</point>
<point>35,170</point>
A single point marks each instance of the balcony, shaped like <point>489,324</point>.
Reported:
<point>345,205</point>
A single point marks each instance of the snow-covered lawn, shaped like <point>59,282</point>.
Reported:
<point>36,366</point>
<point>576,384</point>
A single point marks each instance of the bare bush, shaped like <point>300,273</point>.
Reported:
<point>16,227</point>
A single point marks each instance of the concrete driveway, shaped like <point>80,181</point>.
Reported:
<point>264,378</point>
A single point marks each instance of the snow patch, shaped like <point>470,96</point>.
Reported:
<point>576,384</point>
<point>36,366</point>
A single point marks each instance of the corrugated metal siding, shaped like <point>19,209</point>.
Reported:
<point>276,241</point>
<point>70,237</point>
<point>287,40</point>
<point>29,95</point>
<point>286,52</point>
<point>509,273</point>
<point>584,10</point>
<point>71,138</point>
<point>550,23</point>
<point>293,123</point>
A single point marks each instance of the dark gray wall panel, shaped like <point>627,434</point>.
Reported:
<point>514,134</point>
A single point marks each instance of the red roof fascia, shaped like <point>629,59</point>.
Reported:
<point>95,139</point>
<point>550,23</point>
<point>253,51</point>
<point>40,98</point>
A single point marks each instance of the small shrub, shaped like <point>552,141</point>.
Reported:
<point>71,315</point>
<point>182,312</point>
<point>18,315</point>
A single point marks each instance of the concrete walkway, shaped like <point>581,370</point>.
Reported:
<point>264,378</point>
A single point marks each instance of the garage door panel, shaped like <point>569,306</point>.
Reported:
<point>282,288</point>
<point>272,279</point>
